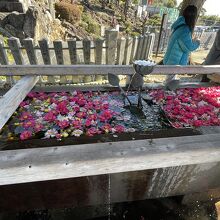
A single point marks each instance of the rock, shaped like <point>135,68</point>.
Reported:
<point>6,6</point>
<point>30,22</point>
<point>15,19</point>
<point>49,16</point>
<point>14,32</point>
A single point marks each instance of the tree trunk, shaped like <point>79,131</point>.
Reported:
<point>197,3</point>
<point>213,58</point>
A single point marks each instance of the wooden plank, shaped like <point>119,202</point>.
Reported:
<point>134,49</point>
<point>144,47</point>
<point>41,164</point>
<point>31,52</point>
<point>127,54</point>
<point>111,43</point>
<point>120,50</point>
<point>58,48</point>
<point>98,55</point>
<point>21,70</point>
<point>139,48</point>
<point>98,50</point>
<point>11,100</point>
<point>73,56</point>
<point>14,44</point>
<point>72,51</point>
<point>151,40</point>
<point>4,61</point>
<point>3,55</point>
<point>87,58</point>
<point>44,48</point>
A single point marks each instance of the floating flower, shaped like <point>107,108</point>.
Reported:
<point>25,135</point>
<point>50,117</point>
<point>77,133</point>
<point>61,108</point>
<point>92,131</point>
<point>63,124</point>
<point>26,116</point>
<point>51,133</point>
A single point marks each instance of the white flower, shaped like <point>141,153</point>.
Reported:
<point>77,133</point>
<point>130,130</point>
<point>53,106</point>
<point>61,117</point>
<point>51,133</point>
<point>144,63</point>
<point>39,113</point>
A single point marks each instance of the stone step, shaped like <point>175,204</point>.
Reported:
<point>6,6</point>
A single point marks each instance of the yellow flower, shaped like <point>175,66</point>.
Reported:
<point>65,134</point>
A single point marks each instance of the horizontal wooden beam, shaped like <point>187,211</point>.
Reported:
<point>41,164</point>
<point>11,100</point>
<point>21,70</point>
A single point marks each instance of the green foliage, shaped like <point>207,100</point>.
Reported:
<point>90,24</point>
<point>167,3</point>
<point>209,20</point>
<point>154,20</point>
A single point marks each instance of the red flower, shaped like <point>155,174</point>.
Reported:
<point>198,123</point>
<point>119,128</point>
<point>26,116</point>
<point>63,124</point>
<point>29,124</point>
<point>50,117</point>
<point>106,128</point>
<point>25,135</point>
<point>61,108</point>
<point>77,124</point>
<point>38,127</point>
<point>92,131</point>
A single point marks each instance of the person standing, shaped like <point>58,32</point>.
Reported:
<point>181,43</point>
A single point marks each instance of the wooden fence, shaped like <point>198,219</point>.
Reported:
<point>109,50</point>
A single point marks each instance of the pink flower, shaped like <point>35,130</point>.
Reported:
<point>198,123</point>
<point>25,135</point>
<point>92,131</point>
<point>26,116</point>
<point>29,124</point>
<point>119,128</point>
<point>50,117</point>
<point>77,124</point>
<point>81,114</point>
<point>61,108</point>
<point>63,124</point>
<point>38,127</point>
<point>106,128</point>
<point>81,102</point>
<point>88,123</point>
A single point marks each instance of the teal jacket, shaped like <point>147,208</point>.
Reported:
<point>180,44</point>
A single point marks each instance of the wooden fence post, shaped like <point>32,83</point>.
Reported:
<point>120,51</point>
<point>58,48</point>
<point>14,44</point>
<point>73,56</point>
<point>4,61</point>
<point>98,55</point>
<point>111,43</point>
<point>44,47</point>
<point>134,49</point>
<point>87,58</point>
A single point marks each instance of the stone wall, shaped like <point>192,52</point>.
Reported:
<point>14,5</point>
<point>37,22</point>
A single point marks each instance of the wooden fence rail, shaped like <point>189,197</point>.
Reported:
<point>111,50</point>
